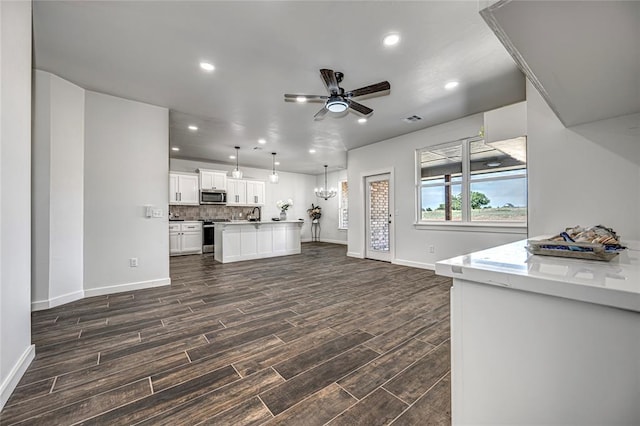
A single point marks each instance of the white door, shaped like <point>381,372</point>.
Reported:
<point>189,189</point>
<point>378,217</point>
<point>173,189</point>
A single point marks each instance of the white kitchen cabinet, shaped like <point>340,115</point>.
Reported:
<point>213,179</point>
<point>185,238</point>
<point>255,193</point>
<point>242,192</point>
<point>183,189</point>
<point>236,192</point>
<point>236,241</point>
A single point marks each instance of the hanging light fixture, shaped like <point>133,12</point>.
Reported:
<point>273,177</point>
<point>325,192</point>
<point>237,173</point>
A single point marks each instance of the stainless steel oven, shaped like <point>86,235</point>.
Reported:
<point>208,227</point>
<point>213,196</point>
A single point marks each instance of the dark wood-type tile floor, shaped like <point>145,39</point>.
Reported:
<point>311,339</point>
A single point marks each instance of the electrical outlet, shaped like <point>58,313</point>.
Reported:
<point>133,262</point>
<point>432,249</point>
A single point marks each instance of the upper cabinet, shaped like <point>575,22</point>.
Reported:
<point>183,189</point>
<point>213,179</point>
<point>255,193</point>
<point>245,192</point>
<point>505,123</point>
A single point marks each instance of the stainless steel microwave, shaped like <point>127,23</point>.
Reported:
<point>213,196</point>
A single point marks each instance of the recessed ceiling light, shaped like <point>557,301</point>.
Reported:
<point>312,151</point>
<point>277,163</point>
<point>451,85</point>
<point>262,141</point>
<point>175,148</point>
<point>362,120</point>
<point>301,99</point>
<point>233,157</point>
<point>391,39</point>
<point>207,66</point>
<point>193,128</point>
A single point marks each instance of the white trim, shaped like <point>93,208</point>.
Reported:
<point>355,254</point>
<point>324,240</point>
<point>305,240</point>
<point>16,373</point>
<point>39,305</point>
<point>117,288</point>
<point>413,264</point>
<point>493,228</point>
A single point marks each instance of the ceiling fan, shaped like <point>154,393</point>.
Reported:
<point>339,100</point>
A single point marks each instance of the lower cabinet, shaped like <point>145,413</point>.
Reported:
<point>185,238</point>
<point>235,242</point>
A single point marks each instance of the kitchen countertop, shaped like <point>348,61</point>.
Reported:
<point>615,283</point>
<point>263,222</point>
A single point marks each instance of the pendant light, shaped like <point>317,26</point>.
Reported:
<point>273,177</point>
<point>237,173</point>
<point>325,192</point>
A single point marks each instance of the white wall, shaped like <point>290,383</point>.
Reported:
<point>398,155</point>
<point>298,187</point>
<point>126,167</point>
<point>574,180</point>
<point>329,231</point>
<point>16,351</point>
<point>57,191</point>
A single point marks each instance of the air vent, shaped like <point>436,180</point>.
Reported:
<point>412,119</point>
<point>257,148</point>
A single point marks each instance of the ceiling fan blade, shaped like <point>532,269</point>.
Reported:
<point>320,114</point>
<point>376,89</point>
<point>330,81</point>
<point>307,97</point>
<point>360,109</point>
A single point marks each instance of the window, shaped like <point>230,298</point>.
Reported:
<point>473,181</point>
<point>343,205</point>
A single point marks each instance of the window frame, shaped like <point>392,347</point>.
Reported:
<point>341,200</point>
<point>465,224</point>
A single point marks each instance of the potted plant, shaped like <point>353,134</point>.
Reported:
<point>315,212</point>
<point>284,206</point>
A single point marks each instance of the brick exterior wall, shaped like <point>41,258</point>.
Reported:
<point>379,215</point>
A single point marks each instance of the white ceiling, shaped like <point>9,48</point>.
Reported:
<point>150,52</point>
<point>583,56</point>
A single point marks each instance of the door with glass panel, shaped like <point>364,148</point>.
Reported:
<point>378,217</point>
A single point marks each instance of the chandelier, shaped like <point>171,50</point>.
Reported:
<point>325,192</point>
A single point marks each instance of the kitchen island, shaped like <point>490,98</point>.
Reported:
<point>244,240</point>
<point>544,340</point>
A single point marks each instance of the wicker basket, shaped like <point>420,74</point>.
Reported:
<point>563,249</point>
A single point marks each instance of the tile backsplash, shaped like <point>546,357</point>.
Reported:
<point>207,212</point>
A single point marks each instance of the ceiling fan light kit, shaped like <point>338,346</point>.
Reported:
<point>340,100</point>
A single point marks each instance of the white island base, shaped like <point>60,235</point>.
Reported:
<point>542,340</point>
<point>237,241</point>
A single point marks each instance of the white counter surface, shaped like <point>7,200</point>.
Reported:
<point>263,222</point>
<point>615,283</point>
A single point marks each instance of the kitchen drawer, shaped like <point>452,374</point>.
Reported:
<point>191,226</point>
<point>174,227</point>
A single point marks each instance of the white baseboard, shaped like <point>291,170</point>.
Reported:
<point>305,240</point>
<point>355,254</point>
<point>40,305</point>
<point>413,264</point>
<point>100,291</point>
<point>324,240</point>
<point>16,373</point>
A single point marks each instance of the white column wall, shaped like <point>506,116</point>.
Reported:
<point>16,351</point>
<point>58,196</point>
<point>126,167</point>
<point>577,180</point>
